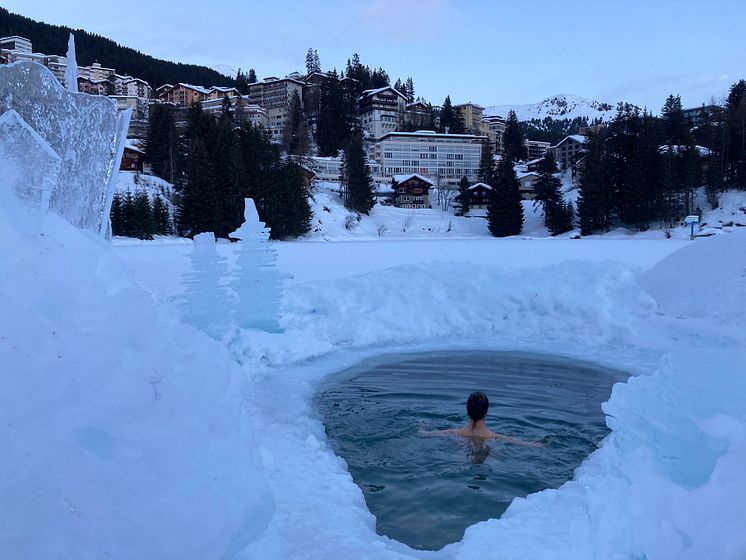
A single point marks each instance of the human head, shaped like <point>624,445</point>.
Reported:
<point>477,405</point>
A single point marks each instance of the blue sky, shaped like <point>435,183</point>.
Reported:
<point>488,52</point>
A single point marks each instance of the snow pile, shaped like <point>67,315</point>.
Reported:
<point>558,107</point>
<point>132,181</point>
<point>122,432</point>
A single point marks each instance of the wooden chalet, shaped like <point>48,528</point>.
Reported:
<point>479,196</point>
<point>411,191</point>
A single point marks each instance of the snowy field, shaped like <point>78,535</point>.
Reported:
<point>128,434</point>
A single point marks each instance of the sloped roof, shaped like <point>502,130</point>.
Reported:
<point>403,178</point>
<point>484,185</point>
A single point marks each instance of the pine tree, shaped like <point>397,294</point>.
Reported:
<point>486,163</point>
<point>242,83</point>
<point>735,136</point>
<point>547,187</point>
<point>409,90</point>
<point>559,217</point>
<point>251,78</point>
<point>312,61</point>
<point>446,116</point>
<point>295,135</point>
<point>513,139</point>
<point>505,211</point>
<point>142,224</point>
<point>637,202</point>
<point>356,178</point>
<point>162,143</point>
<point>330,131</point>
<point>117,214</point>
<point>161,218</point>
<point>399,86</point>
<point>595,202</point>
<point>464,196</point>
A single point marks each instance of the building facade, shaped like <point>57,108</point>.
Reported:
<point>442,158</point>
<point>274,95</point>
<point>472,116</point>
<point>569,150</point>
<point>479,196</point>
<point>242,110</point>
<point>182,95</point>
<point>411,191</point>
<point>536,149</point>
<point>496,126</point>
<point>381,111</point>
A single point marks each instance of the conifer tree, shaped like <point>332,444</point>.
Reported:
<point>312,61</point>
<point>636,202</point>
<point>505,211</point>
<point>117,214</point>
<point>162,142</point>
<point>330,128</point>
<point>161,218</point>
<point>547,186</point>
<point>251,77</point>
<point>142,216</point>
<point>595,202</point>
<point>464,196</point>
<point>242,82</point>
<point>486,163</point>
<point>409,90</point>
<point>295,134</point>
<point>446,116</point>
<point>513,139</point>
<point>356,179</point>
<point>735,136</point>
<point>559,217</point>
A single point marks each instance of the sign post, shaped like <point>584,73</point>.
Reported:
<point>691,220</point>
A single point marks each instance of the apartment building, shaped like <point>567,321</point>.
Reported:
<point>242,110</point>
<point>381,111</point>
<point>496,126</point>
<point>536,149</point>
<point>443,158</point>
<point>418,116</point>
<point>569,150</point>
<point>329,168</point>
<point>274,95</point>
<point>182,95</point>
<point>472,116</point>
<point>140,113</point>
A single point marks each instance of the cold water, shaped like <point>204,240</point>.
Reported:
<point>426,490</point>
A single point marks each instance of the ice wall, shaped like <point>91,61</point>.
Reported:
<point>85,131</point>
<point>257,282</point>
<point>30,168</point>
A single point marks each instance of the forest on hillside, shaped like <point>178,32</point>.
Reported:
<point>90,48</point>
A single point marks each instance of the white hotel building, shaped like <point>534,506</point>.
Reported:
<point>443,158</point>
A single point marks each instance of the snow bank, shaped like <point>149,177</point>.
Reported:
<point>122,432</point>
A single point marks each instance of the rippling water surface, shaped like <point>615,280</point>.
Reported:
<point>425,491</point>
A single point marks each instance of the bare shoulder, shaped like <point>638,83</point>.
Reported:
<point>436,433</point>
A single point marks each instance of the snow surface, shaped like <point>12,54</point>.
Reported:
<point>562,106</point>
<point>127,434</point>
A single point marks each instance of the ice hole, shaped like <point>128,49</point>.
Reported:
<point>426,490</point>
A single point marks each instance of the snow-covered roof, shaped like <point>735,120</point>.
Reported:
<point>430,133</point>
<point>483,185</point>
<point>199,89</point>
<point>533,161</point>
<point>402,178</point>
<point>579,138</point>
<point>369,92</point>
<point>522,175</point>
<point>223,88</point>
<point>133,145</point>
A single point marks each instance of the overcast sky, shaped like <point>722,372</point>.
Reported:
<point>489,52</point>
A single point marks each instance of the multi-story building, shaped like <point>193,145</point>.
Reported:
<point>274,95</point>
<point>381,111</point>
<point>140,113</point>
<point>16,43</point>
<point>94,87</point>
<point>472,116</point>
<point>329,168</point>
<point>695,116</point>
<point>536,148</point>
<point>418,116</point>
<point>242,110</point>
<point>569,150</point>
<point>182,95</point>
<point>443,158</point>
<point>496,126</point>
<point>219,92</point>
<point>97,72</point>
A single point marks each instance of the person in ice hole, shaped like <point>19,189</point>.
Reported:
<point>477,406</point>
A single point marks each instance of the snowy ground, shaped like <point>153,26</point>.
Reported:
<point>126,434</point>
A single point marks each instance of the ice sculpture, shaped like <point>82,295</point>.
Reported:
<point>257,282</point>
<point>206,302</point>
<point>85,131</point>
<point>29,169</point>
<point>71,71</point>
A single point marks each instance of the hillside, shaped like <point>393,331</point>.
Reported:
<point>90,48</point>
<point>557,107</point>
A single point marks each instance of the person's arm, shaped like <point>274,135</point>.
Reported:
<point>516,441</point>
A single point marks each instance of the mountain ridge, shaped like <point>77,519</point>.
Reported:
<point>557,107</point>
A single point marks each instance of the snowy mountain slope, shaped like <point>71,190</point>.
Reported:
<point>225,69</point>
<point>561,106</point>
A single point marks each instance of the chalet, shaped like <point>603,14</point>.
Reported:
<point>411,191</point>
<point>527,186</point>
<point>133,158</point>
<point>182,95</point>
<point>479,196</point>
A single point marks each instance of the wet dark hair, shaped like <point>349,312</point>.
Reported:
<point>477,405</point>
